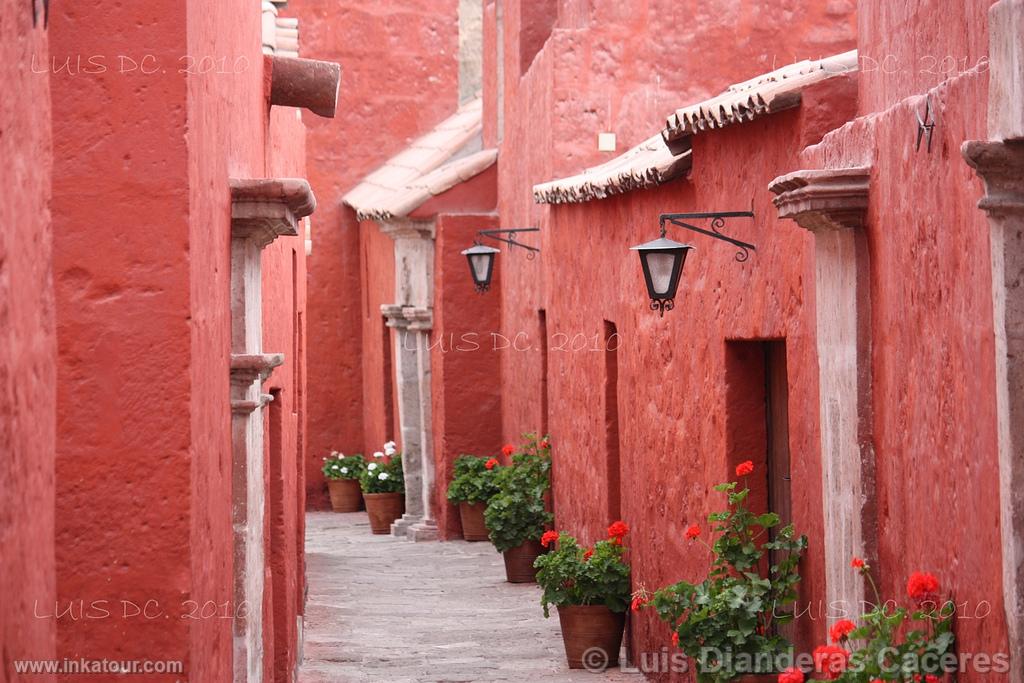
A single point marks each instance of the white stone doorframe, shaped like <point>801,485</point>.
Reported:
<point>832,204</point>
<point>1000,163</point>
<point>412,320</point>
<point>261,210</point>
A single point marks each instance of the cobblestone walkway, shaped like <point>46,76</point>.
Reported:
<point>387,610</point>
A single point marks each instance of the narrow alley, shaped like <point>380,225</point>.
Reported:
<point>384,609</point>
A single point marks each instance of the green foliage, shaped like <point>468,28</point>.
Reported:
<point>516,513</point>
<point>472,481</point>
<point>892,649</point>
<point>569,577</point>
<point>734,609</point>
<point>340,466</point>
<point>383,475</point>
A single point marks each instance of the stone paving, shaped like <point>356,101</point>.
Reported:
<point>386,610</point>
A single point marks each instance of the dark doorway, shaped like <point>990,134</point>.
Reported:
<point>613,473</point>
<point>757,427</point>
<point>277,555</point>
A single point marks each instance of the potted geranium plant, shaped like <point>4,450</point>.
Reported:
<point>726,623</point>
<point>342,473</point>
<point>893,643</point>
<point>516,516</point>
<point>383,487</point>
<point>473,484</point>
<point>590,589</point>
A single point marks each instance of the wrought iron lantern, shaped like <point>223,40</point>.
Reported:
<point>662,259</point>
<point>481,265</point>
<point>481,257</point>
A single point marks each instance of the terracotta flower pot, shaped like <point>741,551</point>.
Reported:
<point>383,509</point>
<point>519,562</point>
<point>345,495</point>
<point>473,527</point>
<point>592,635</point>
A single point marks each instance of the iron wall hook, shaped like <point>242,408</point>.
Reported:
<point>925,124</point>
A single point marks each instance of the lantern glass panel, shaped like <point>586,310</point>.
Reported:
<point>481,265</point>
<point>661,267</point>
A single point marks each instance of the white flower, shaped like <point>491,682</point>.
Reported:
<point>378,454</point>
<point>389,448</point>
<point>382,476</point>
<point>372,466</point>
<point>344,470</point>
<point>334,466</point>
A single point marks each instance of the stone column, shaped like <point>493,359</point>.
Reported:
<point>413,318</point>
<point>832,204</point>
<point>261,210</point>
<point>421,322</point>
<point>409,413</point>
<point>1000,163</point>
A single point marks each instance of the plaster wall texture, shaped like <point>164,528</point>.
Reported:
<point>377,287</point>
<point>284,317</point>
<point>605,68</point>
<point>28,345</point>
<point>465,368</point>
<point>931,345</point>
<point>932,342</point>
<point>142,276</point>
<point>400,78</point>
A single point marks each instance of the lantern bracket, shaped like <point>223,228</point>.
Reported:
<point>717,223</point>
<point>498,235</point>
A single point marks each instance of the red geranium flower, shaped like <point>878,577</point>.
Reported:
<point>927,678</point>
<point>857,563</point>
<point>675,638</point>
<point>508,449</point>
<point>548,538</point>
<point>588,554</point>
<point>618,529</point>
<point>922,586</point>
<point>744,468</point>
<point>490,464</point>
<point>692,532</point>
<point>830,660</point>
<point>638,602</point>
<point>791,675</point>
<point>841,630</point>
<point>545,444</point>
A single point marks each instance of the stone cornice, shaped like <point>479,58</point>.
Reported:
<point>828,199</point>
<point>247,368</point>
<point>1001,166</point>
<point>411,317</point>
<point>408,228</point>
<point>263,209</point>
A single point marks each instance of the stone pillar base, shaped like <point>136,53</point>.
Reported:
<point>400,527</point>
<point>423,531</point>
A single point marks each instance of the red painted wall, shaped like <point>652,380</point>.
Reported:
<point>465,369</point>
<point>932,354</point>
<point>605,69</point>
<point>122,277</point>
<point>141,210</point>
<point>399,79</point>
<point>284,315</point>
<point>28,345</point>
<point>931,286</point>
<point>377,288</point>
